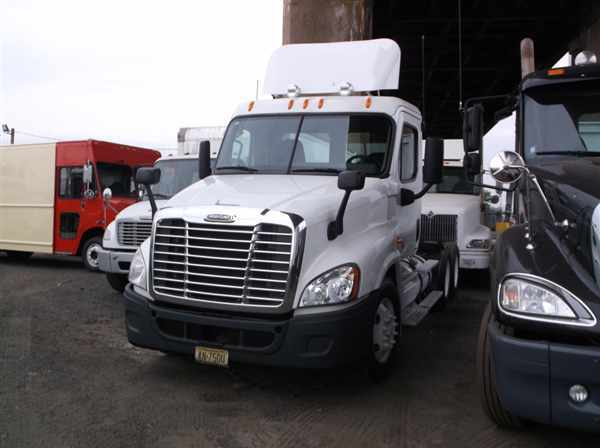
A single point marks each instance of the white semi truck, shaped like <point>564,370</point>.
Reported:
<point>133,224</point>
<point>302,248</point>
<point>452,212</point>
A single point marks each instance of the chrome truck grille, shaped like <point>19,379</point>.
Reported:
<point>244,265</point>
<point>133,233</point>
<point>438,228</point>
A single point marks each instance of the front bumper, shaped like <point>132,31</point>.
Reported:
<point>115,261</point>
<point>474,259</point>
<point>533,379</point>
<point>312,341</point>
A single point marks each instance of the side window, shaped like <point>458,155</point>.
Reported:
<point>409,150</point>
<point>71,182</point>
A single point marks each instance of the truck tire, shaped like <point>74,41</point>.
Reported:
<point>444,281</point>
<point>89,253</point>
<point>18,256</point>
<point>117,281</point>
<point>486,378</point>
<point>385,324</point>
<point>454,256</point>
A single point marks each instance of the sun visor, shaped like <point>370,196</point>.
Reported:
<point>367,65</point>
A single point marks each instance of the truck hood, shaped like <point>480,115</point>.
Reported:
<point>139,210</point>
<point>312,197</point>
<point>449,204</point>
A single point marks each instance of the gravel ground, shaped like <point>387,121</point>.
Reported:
<point>68,378</point>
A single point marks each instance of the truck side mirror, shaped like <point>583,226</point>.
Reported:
<point>204,169</point>
<point>434,161</point>
<point>432,170</point>
<point>473,128</point>
<point>88,171</point>
<point>472,164</point>
<point>349,181</point>
<point>148,176</point>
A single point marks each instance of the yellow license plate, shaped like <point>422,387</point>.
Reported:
<point>212,356</point>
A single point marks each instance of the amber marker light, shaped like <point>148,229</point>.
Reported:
<point>368,102</point>
<point>290,104</point>
<point>321,102</point>
<point>250,106</point>
<point>305,104</point>
<point>556,72</point>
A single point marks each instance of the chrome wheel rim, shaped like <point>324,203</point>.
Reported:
<point>91,255</point>
<point>385,330</point>
<point>456,270</point>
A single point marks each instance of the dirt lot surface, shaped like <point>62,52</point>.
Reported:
<point>68,378</point>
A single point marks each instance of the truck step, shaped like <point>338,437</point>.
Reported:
<point>413,314</point>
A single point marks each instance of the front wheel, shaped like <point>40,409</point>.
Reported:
<point>384,332</point>
<point>117,281</point>
<point>89,253</point>
<point>490,401</point>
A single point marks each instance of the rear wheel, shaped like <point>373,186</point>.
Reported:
<point>454,257</point>
<point>89,252</point>
<point>487,379</point>
<point>117,281</point>
<point>384,333</point>
<point>18,256</point>
<point>444,281</point>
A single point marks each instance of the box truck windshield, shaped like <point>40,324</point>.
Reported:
<point>306,144</point>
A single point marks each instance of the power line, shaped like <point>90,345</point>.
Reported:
<point>37,136</point>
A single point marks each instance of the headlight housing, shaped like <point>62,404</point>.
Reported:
<point>479,244</point>
<point>531,297</point>
<point>339,285</point>
<point>137,270</point>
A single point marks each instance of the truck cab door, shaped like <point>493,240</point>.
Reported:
<point>405,173</point>
<point>76,197</point>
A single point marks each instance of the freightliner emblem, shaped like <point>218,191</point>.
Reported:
<point>218,217</point>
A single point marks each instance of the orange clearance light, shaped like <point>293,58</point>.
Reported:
<point>321,102</point>
<point>368,102</point>
<point>556,72</point>
<point>305,104</point>
<point>250,106</point>
<point>290,104</point>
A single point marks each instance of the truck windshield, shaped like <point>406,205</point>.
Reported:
<point>175,175</point>
<point>455,181</point>
<point>119,178</point>
<point>297,144</point>
<point>562,119</point>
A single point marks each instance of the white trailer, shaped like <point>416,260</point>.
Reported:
<point>302,249</point>
<point>188,139</point>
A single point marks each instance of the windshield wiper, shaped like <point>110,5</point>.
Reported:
<point>316,170</point>
<point>568,153</point>
<point>237,167</point>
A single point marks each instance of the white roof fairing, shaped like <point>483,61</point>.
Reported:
<point>368,65</point>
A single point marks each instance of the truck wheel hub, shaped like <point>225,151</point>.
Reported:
<point>384,331</point>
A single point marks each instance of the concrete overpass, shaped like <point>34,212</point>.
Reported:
<point>449,56</point>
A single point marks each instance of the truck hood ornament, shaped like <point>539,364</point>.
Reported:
<point>220,217</point>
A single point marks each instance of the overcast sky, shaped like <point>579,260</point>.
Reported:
<point>130,71</point>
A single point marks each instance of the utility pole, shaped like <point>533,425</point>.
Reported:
<point>10,131</point>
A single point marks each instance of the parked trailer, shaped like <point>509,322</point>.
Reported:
<point>49,195</point>
<point>539,345</point>
<point>302,248</point>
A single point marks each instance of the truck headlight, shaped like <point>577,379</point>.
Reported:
<point>336,286</point>
<point>137,270</point>
<point>535,298</point>
<point>479,244</point>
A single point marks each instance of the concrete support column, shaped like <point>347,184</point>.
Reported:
<point>310,21</point>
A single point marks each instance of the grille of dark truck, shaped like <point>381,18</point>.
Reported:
<point>439,228</point>
<point>133,233</point>
<point>246,265</point>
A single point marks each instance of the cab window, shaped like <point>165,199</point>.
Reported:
<point>71,182</point>
<point>409,150</point>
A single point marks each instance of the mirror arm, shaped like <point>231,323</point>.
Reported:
<point>407,196</point>
<point>151,199</point>
<point>336,228</point>
<point>493,187</point>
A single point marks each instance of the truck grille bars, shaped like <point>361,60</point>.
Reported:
<point>133,233</point>
<point>438,228</point>
<point>218,263</point>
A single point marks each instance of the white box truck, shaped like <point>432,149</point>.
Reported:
<point>302,249</point>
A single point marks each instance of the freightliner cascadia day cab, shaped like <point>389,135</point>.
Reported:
<point>50,199</point>
<point>302,248</point>
<point>539,345</point>
<point>452,212</point>
<point>133,225</point>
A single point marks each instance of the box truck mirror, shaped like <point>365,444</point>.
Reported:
<point>204,169</point>
<point>473,128</point>
<point>88,171</point>
<point>348,181</point>
<point>107,194</point>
